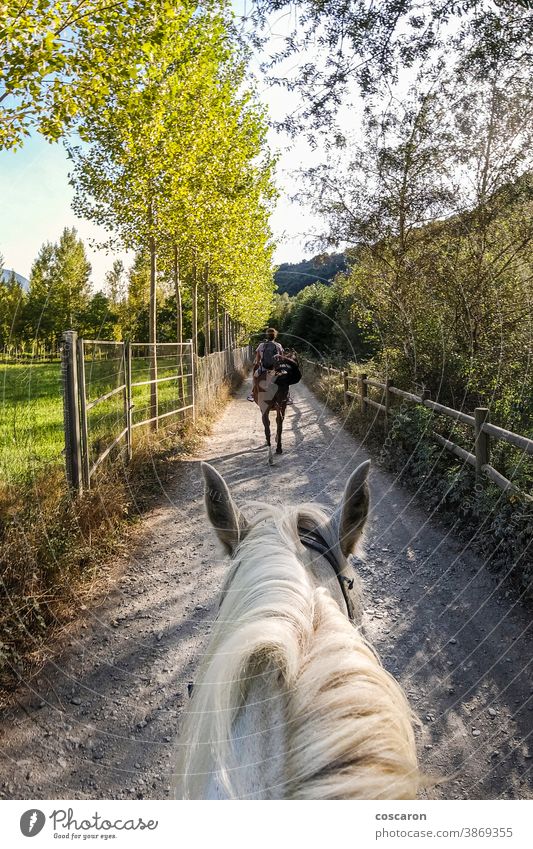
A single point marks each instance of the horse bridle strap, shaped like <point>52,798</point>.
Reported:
<point>314,541</point>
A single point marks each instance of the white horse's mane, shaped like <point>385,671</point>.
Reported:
<point>348,725</point>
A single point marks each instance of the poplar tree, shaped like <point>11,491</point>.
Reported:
<point>115,283</point>
<point>60,59</point>
<point>177,168</point>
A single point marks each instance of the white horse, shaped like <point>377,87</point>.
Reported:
<point>290,701</point>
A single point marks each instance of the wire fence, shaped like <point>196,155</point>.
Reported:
<point>213,370</point>
<point>174,389</point>
<point>112,388</point>
<point>103,401</point>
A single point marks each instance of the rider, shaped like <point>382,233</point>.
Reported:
<point>266,356</point>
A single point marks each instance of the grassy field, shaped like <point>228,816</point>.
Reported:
<point>31,410</point>
<point>31,418</point>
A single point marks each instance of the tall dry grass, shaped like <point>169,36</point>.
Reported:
<point>56,551</point>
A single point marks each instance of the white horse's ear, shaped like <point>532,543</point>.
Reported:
<point>353,509</point>
<point>226,518</point>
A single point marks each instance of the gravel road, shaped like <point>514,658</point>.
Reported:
<point>100,720</point>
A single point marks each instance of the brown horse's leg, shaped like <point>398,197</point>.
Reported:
<point>266,424</point>
<point>280,416</point>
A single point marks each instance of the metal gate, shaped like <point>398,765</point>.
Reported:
<point>108,392</point>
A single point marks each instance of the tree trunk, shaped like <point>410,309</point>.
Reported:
<point>217,325</point>
<point>153,335</point>
<point>207,323</point>
<point>179,327</point>
<point>194,295</point>
<point>179,308</point>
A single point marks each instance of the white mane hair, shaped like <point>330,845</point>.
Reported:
<point>347,725</point>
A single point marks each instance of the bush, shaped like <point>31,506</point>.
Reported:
<point>498,526</point>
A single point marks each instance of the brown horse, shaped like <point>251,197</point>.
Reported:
<point>269,396</point>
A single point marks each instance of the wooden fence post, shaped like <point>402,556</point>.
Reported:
<point>207,321</point>
<point>482,446</point>
<point>154,388</point>
<point>152,336</point>
<point>388,400</point>
<point>193,379</point>
<point>345,382</point>
<point>128,404</point>
<point>84,426</point>
<point>71,420</point>
<point>363,392</point>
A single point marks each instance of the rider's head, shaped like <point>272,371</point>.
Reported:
<point>271,333</point>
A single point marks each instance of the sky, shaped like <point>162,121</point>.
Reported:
<point>36,195</point>
<point>37,205</point>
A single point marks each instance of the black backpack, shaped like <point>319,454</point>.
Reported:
<point>294,375</point>
<point>269,352</point>
<point>290,373</point>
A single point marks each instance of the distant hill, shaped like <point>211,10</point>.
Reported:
<point>292,277</point>
<point>6,276</point>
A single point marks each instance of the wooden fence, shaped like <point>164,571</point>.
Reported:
<point>355,388</point>
<point>109,390</point>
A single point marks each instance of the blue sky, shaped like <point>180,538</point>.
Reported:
<point>36,196</point>
<point>36,206</point>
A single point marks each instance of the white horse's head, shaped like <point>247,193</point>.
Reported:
<point>290,700</point>
<point>344,528</point>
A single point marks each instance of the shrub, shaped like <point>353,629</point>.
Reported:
<point>497,525</point>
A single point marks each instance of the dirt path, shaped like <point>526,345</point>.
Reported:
<point>100,721</point>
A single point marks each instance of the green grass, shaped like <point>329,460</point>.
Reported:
<point>107,420</point>
<point>31,418</point>
<point>31,410</point>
